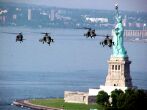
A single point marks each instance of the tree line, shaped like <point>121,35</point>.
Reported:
<point>131,99</point>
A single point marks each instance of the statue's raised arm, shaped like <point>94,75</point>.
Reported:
<point>116,9</point>
<point>117,33</point>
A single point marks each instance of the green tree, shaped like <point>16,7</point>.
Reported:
<point>103,98</point>
<point>135,100</point>
<point>115,95</point>
<point>120,100</point>
<point>132,99</point>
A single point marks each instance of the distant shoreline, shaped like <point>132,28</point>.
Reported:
<point>54,104</point>
<point>26,103</point>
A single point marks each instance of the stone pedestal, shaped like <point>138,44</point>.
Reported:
<point>119,72</point>
<point>108,89</point>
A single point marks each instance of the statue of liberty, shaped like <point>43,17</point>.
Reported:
<point>117,33</point>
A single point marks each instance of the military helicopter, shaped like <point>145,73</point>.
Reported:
<point>107,41</point>
<point>19,36</point>
<point>46,38</point>
<point>90,33</point>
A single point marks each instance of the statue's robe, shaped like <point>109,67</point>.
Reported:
<point>117,33</point>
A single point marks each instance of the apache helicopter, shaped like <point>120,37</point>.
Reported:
<point>107,41</point>
<point>90,33</point>
<point>19,36</point>
<point>46,38</point>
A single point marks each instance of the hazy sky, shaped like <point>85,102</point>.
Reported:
<point>130,5</point>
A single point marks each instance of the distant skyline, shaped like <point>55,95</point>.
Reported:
<point>128,5</point>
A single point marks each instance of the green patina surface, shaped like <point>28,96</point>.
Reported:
<point>117,33</point>
<point>59,103</point>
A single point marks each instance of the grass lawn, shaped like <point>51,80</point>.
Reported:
<point>59,103</point>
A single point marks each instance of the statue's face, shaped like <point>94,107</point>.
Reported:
<point>119,19</point>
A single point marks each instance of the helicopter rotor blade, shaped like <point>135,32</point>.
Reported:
<point>86,28</point>
<point>10,33</point>
<point>41,32</point>
<point>83,28</point>
<point>45,33</point>
<point>104,35</point>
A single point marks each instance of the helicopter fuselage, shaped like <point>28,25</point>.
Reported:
<point>107,41</point>
<point>19,38</point>
<point>46,39</point>
<point>90,33</point>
